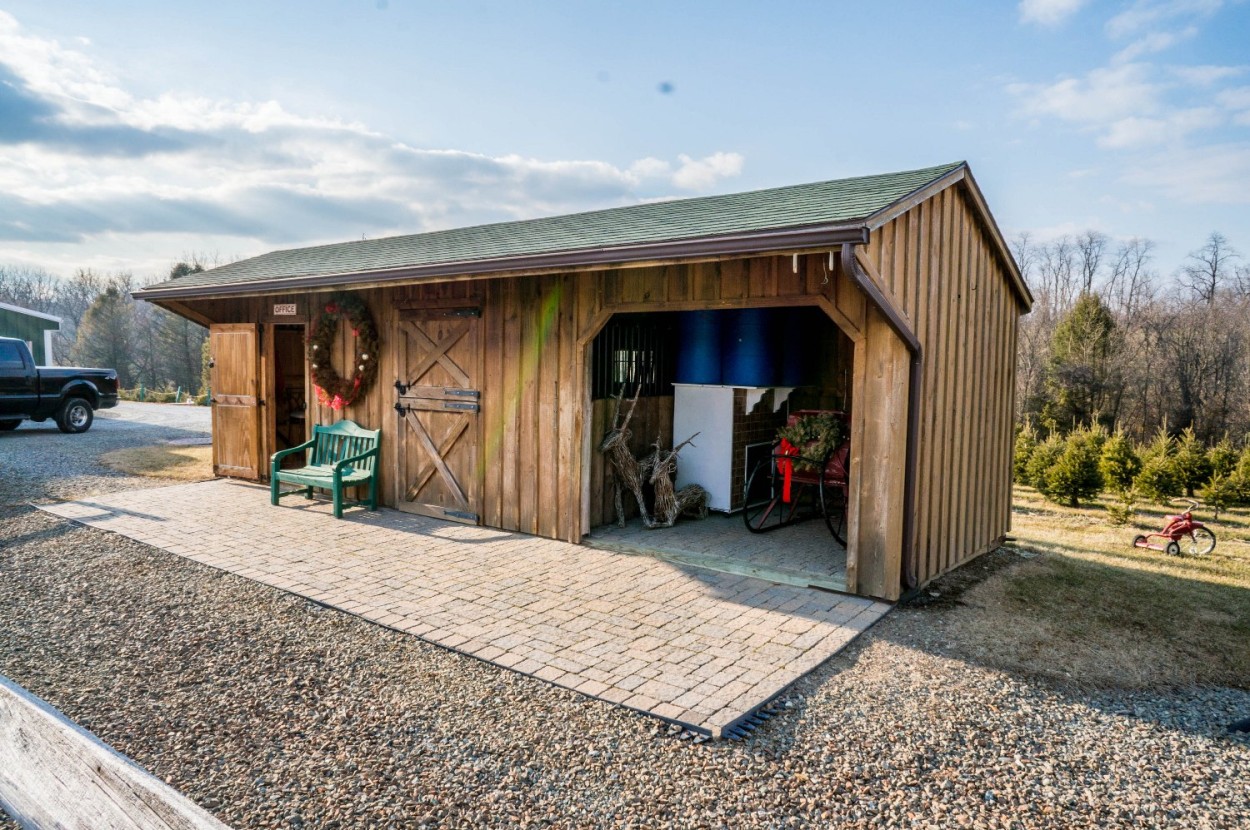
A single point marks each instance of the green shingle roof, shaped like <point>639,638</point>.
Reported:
<point>843,201</point>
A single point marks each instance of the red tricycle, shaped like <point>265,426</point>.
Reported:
<point>1180,533</point>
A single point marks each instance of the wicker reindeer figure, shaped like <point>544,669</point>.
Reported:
<point>627,471</point>
<point>690,500</point>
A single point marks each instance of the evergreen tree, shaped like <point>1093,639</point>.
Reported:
<point>1081,380</point>
<point>1043,458</point>
<point>1157,479</point>
<point>1220,494</point>
<point>1222,458</point>
<point>1119,462</point>
<point>1190,459</point>
<point>105,335</point>
<point>1240,477</point>
<point>1026,442</point>
<point>1075,477</point>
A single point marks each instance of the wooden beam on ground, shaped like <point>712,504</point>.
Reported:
<point>54,773</point>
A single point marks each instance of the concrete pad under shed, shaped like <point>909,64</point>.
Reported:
<point>698,647</point>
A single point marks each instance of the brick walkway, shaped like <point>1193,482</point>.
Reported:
<point>700,648</point>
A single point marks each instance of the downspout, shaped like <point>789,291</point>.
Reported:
<point>896,321</point>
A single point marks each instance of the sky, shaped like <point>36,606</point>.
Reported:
<point>135,134</point>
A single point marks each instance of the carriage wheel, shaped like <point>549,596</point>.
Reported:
<point>762,507</point>
<point>833,506</point>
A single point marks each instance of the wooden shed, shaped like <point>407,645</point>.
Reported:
<point>500,344</point>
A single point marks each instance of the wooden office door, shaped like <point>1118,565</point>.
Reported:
<point>234,351</point>
<point>438,402</point>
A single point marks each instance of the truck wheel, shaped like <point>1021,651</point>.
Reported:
<point>9,424</point>
<point>75,416</point>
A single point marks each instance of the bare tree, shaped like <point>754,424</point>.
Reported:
<point>1090,247</point>
<point>1209,268</point>
<point>1130,285</point>
<point>1025,254</point>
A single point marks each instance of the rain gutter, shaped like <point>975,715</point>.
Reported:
<point>784,239</point>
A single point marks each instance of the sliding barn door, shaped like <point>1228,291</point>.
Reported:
<point>438,402</point>
<point>234,378</point>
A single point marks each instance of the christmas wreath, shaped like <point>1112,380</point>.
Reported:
<point>334,390</point>
<point>814,436</point>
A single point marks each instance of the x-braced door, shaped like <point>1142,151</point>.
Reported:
<point>438,405</point>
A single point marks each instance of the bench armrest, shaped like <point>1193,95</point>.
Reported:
<point>281,454</point>
<point>338,467</point>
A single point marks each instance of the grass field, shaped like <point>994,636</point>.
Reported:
<point>1087,608</point>
<point>163,461</point>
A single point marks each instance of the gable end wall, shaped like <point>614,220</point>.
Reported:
<point>940,267</point>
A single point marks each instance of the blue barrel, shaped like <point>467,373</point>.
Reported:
<point>798,343</point>
<point>749,348</point>
<point>698,351</point>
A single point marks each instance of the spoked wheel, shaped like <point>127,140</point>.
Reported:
<point>763,507</point>
<point>1199,542</point>
<point>1140,541</point>
<point>833,505</point>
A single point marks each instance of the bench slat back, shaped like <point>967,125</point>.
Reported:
<point>344,440</point>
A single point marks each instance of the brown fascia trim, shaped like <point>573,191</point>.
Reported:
<point>813,236</point>
<point>962,173</point>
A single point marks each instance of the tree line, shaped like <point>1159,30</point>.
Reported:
<point>1131,382</point>
<point>1113,343</point>
<point>102,325</point>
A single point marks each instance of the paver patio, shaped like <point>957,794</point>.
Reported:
<point>702,648</point>
<point>804,554</point>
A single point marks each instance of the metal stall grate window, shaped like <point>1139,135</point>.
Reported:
<point>632,349</point>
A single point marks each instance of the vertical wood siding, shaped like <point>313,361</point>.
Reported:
<point>939,267</point>
<point>539,471</point>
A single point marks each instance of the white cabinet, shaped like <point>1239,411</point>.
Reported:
<point>713,460</point>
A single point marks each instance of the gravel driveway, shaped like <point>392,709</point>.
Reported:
<point>274,712</point>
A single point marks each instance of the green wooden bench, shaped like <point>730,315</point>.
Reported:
<point>343,455</point>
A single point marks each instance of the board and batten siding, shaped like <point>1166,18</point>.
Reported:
<point>537,446</point>
<point>538,430</point>
<point>940,267</point>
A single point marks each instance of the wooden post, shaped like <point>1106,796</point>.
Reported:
<point>54,773</point>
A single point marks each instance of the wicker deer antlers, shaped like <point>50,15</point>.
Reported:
<point>658,467</point>
<point>690,500</point>
<point>627,471</point>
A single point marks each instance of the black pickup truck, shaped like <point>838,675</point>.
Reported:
<point>38,393</point>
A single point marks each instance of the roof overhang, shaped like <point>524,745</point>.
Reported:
<point>961,174</point>
<point>30,313</point>
<point>807,237</point>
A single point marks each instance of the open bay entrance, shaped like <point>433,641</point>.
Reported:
<point>731,379</point>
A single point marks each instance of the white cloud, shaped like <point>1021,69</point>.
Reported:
<point>1153,43</point>
<point>1140,132</point>
<point>1146,14</point>
<point>85,160</point>
<point>1217,174</point>
<point>1237,102</point>
<point>1137,104</point>
<point>1103,95</point>
<point>1206,75</point>
<point>702,174</point>
<point>1048,12</point>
